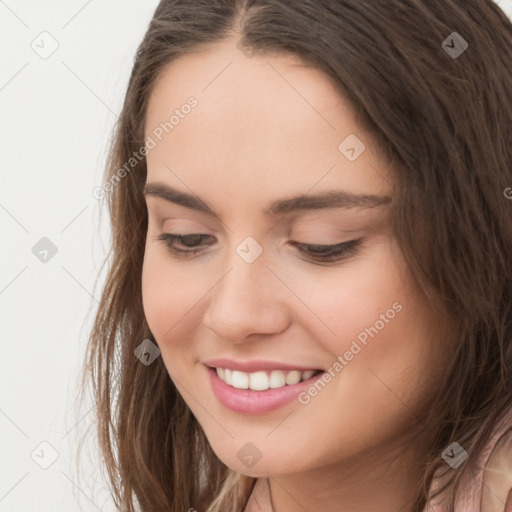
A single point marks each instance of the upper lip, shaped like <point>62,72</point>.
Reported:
<point>254,365</point>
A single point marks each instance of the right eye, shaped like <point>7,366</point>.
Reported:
<point>190,242</point>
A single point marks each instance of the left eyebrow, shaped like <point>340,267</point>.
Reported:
<point>320,201</point>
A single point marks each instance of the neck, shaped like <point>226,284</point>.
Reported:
<point>385,480</point>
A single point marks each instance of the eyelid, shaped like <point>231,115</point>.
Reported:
<point>328,253</point>
<point>331,252</point>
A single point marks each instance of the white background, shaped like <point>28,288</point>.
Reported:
<point>56,116</point>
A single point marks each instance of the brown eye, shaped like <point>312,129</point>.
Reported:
<point>190,242</point>
<point>327,253</point>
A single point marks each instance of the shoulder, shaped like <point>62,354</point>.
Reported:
<point>497,476</point>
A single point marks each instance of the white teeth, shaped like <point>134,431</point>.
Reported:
<point>258,381</point>
<point>263,380</point>
<point>240,380</point>
<point>293,377</point>
<point>277,379</point>
<point>307,374</point>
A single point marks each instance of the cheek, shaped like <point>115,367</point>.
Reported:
<point>167,296</point>
<point>174,298</point>
<point>348,302</point>
<point>375,317</point>
<point>393,355</point>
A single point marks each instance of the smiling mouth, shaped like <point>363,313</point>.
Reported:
<point>264,379</point>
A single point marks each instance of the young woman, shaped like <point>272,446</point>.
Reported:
<point>309,297</point>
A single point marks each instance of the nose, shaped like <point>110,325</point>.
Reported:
<point>248,300</point>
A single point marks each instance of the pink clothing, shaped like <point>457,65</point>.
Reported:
<point>472,485</point>
<point>468,500</point>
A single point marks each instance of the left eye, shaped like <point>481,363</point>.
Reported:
<point>328,253</point>
<point>192,244</point>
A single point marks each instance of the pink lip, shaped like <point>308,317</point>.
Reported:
<point>247,401</point>
<point>254,365</point>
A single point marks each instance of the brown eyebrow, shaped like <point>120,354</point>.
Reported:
<point>329,199</point>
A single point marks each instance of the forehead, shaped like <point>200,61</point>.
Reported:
<point>260,122</point>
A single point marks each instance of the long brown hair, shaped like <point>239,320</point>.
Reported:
<point>444,120</point>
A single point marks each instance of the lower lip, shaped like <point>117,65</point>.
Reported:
<point>248,401</point>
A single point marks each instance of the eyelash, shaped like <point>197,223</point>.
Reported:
<point>320,253</point>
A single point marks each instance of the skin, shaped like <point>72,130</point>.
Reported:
<point>265,128</point>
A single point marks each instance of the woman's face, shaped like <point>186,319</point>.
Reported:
<point>257,132</point>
